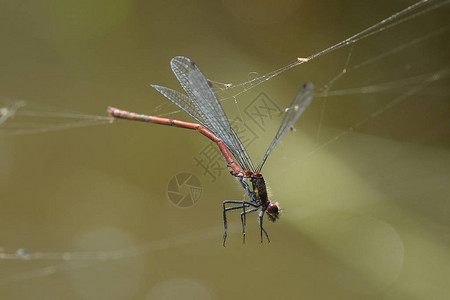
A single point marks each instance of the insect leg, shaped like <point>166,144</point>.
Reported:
<point>243,204</point>
<point>261,215</point>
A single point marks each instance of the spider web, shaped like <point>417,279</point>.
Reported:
<point>401,88</point>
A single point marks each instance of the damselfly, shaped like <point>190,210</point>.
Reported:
<point>202,104</point>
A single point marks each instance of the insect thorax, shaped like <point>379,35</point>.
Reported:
<point>259,188</point>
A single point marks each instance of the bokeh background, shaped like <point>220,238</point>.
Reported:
<point>363,181</point>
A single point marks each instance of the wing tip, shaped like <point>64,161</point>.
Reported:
<point>179,61</point>
<point>308,86</point>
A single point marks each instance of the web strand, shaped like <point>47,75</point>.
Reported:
<point>415,84</point>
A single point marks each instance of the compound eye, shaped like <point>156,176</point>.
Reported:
<point>272,209</point>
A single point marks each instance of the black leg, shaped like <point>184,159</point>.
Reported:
<point>261,215</point>
<point>243,214</point>
<point>243,205</point>
<point>225,209</point>
<point>243,219</point>
<point>267,236</point>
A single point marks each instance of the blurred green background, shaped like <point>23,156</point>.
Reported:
<point>363,181</point>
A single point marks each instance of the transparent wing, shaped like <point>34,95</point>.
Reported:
<point>202,104</point>
<point>298,106</point>
<point>179,99</point>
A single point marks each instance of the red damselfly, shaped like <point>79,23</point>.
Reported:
<point>202,104</point>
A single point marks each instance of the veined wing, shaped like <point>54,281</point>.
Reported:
<point>298,106</point>
<point>202,104</point>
